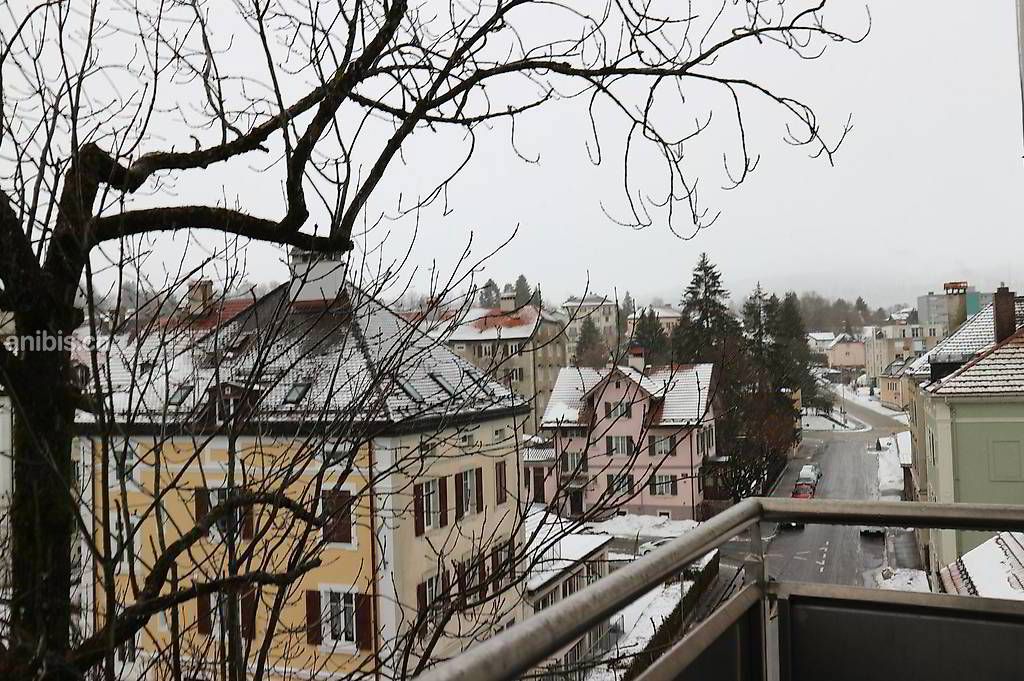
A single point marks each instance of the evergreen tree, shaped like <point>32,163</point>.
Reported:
<point>489,294</point>
<point>536,299</point>
<point>705,302</point>
<point>624,312</point>
<point>682,342</point>
<point>523,292</point>
<point>651,337</point>
<point>589,350</point>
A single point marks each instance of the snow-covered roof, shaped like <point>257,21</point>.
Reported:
<point>591,300</point>
<point>993,569</point>
<point>660,312</point>
<point>1000,371</point>
<point>904,447</point>
<point>842,338</point>
<point>353,355</point>
<point>485,323</point>
<point>555,545</point>
<point>821,336</point>
<point>631,525</point>
<point>974,336</point>
<point>682,391</point>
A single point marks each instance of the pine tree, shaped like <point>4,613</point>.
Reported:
<point>705,302</point>
<point>523,292</point>
<point>625,311</point>
<point>536,299</point>
<point>682,342</point>
<point>651,337</point>
<point>489,294</point>
<point>589,350</point>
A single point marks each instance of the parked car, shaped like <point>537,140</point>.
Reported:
<point>802,490</point>
<point>649,546</point>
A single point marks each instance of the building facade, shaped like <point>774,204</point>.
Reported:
<point>631,440</point>
<point>846,353</point>
<point>666,315</point>
<point>601,310</point>
<point>888,343</point>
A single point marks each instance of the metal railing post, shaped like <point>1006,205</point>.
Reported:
<point>755,571</point>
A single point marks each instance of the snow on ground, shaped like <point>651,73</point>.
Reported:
<point>890,472</point>
<point>903,579</point>
<point>864,399</point>
<point>818,422</point>
<point>639,622</point>
<point>629,526</point>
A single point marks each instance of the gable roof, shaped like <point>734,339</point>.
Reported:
<point>843,338</point>
<point>683,391</point>
<point>999,371</point>
<point>821,336</point>
<point>993,569</point>
<point>360,360</point>
<point>975,335</point>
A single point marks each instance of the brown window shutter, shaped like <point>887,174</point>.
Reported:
<point>345,531</point>
<point>248,524</point>
<point>607,409</point>
<point>314,634</point>
<point>459,500</point>
<point>204,619</point>
<point>483,576</point>
<point>585,458</point>
<point>364,622</point>
<point>442,500</point>
<point>565,462</point>
<point>499,482</point>
<point>461,581</point>
<point>652,441</point>
<point>338,505</point>
<point>479,490</point>
<point>202,503</point>
<point>496,567</point>
<point>421,599</point>
<point>672,445</point>
<point>417,503</point>
<point>608,447</point>
<point>248,607</point>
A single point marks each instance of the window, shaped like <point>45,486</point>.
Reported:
<point>340,621</point>
<point>619,444</point>
<point>296,393</point>
<point>663,486</point>
<point>431,504</point>
<point>618,409</point>
<point>443,383</point>
<point>119,536</point>
<point>409,389</point>
<point>338,512</point>
<point>663,446</point>
<point>620,484</point>
<point>514,374</point>
<point>227,522</point>
<point>499,435</point>
<point>428,447</point>
<point>545,601</point>
<point>467,439</point>
<point>469,491</point>
<point>179,395</point>
<point>915,332</point>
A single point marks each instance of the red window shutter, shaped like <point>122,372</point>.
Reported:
<point>204,620</point>
<point>248,607</point>
<point>417,503</point>
<point>479,490</point>
<point>314,634</point>
<point>202,501</point>
<point>459,497</point>
<point>364,622</point>
<point>442,500</point>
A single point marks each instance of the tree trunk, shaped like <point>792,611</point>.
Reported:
<point>42,515</point>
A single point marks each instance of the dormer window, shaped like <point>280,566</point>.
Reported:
<point>240,344</point>
<point>297,393</point>
<point>443,383</point>
<point>179,395</point>
<point>146,368</point>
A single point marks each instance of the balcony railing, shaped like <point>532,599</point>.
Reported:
<point>788,630</point>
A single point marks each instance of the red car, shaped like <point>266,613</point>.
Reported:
<point>802,490</point>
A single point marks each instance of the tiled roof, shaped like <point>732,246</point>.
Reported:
<point>660,312</point>
<point>1000,371</point>
<point>975,335</point>
<point>843,338</point>
<point>588,300</point>
<point>683,391</point>
<point>994,569</point>
<point>485,323</point>
<point>359,358</point>
<point>821,336</point>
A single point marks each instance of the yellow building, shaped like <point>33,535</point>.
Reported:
<point>309,488</point>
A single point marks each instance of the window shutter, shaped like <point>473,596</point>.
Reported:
<point>344,517</point>
<point>653,485</point>
<point>584,461</point>
<point>564,459</point>
<point>461,581</point>
<point>496,568</point>
<point>629,410</point>
<point>608,446</point>
<point>248,529</point>
<point>499,482</point>
<point>611,481</point>
<point>479,490</point>
<point>526,477</point>
<point>421,599</point>
<point>675,486</point>
<point>483,575</point>
<point>248,606</point>
<point>671,445</point>
<point>607,409</point>
<point>364,622</point>
<point>652,445</point>
<point>460,502</point>
<point>629,444</point>
<point>417,503</point>
<point>442,500</point>
<point>314,635</point>
<point>202,503</point>
<point>629,483</point>
<point>203,616</point>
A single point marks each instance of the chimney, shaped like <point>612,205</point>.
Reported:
<point>200,296</point>
<point>508,301</point>
<point>637,358</point>
<point>956,304</point>
<point>1004,313</point>
<point>316,276</point>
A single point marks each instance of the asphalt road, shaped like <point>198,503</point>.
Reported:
<point>825,553</point>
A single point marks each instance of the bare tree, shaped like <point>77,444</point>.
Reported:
<point>115,117</point>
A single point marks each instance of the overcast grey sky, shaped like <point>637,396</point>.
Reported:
<point>926,188</point>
